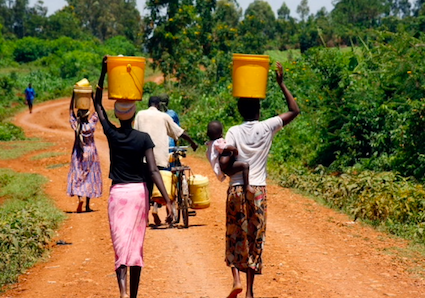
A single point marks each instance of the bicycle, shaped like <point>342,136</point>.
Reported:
<point>183,199</point>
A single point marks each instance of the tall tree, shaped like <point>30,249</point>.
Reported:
<point>109,17</point>
<point>399,8</point>
<point>360,13</point>
<point>419,8</point>
<point>284,13</point>
<point>257,28</point>
<point>64,23</point>
<point>172,37</point>
<point>303,9</point>
<point>228,12</point>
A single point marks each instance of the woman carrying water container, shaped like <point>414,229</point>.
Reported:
<point>246,214</point>
<point>128,204</point>
<point>85,176</point>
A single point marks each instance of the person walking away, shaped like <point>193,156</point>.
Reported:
<point>159,126</point>
<point>29,97</point>
<point>85,176</point>
<point>164,101</point>
<point>245,216</point>
<point>222,157</point>
<point>128,204</point>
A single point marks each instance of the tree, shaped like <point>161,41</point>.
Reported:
<point>35,19</point>
<point>303,10</point>
<point>399,8</point>
<point>419,8</point>
<point>283,13</point>
<point>172,38</point>
<point>108,18</point>
<point>228,12</point>
<point>257,28</point>
<point>286,28</point>
<point>64,23</point>
<point>360,13</point>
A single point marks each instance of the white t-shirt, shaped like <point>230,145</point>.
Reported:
<point>253,140</point>
<point>215,148</point>
<point>159,126</point>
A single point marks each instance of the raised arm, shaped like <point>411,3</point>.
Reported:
<point>294,110</point>
<point>99,93</point>
<point>71,104</point>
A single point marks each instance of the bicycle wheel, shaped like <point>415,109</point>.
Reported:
<point>185,202</point>
<point>178,203</point>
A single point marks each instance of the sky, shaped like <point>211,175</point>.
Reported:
<point>315,5</point>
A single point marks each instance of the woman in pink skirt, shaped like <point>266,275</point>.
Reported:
<point>85,176</point>
<point>128,200</point>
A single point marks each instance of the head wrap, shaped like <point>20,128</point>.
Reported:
<point>125,109</point>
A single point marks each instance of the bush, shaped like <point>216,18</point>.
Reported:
<point>30,49</point>
<point>10,132</point>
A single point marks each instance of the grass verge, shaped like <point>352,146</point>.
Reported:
<point>28,219</point>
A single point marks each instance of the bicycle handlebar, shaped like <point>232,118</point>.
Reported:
<point>177,148</point>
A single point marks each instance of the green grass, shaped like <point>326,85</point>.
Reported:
<point>47,155</point>
<point>28,219</point>
<point>283,56</point>
<point>16,149</point>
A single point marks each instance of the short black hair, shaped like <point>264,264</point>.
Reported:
<point>215,130</point>
<point>249,108</point>
<point>154,101</point>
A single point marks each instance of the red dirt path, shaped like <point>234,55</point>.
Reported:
<point>311,251</point>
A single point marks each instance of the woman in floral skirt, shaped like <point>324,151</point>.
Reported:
<point>85,176</point>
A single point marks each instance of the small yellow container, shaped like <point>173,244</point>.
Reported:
<point>169,183</point>
<point>199,191</point>
<point>126,76</point>
<point>249,75</point>
<point>82,97</point>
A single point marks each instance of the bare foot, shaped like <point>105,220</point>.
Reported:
<point>235,291</point>
<point>156,219</point>
<point>80,207</point>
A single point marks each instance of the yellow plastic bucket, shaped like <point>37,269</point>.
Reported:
<point>126,76</point>
<point>250,75</point>
<point>199,191</point>
<point>169,184</point>
<point>82,97</point>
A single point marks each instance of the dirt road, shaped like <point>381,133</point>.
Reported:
<point>310,251</point>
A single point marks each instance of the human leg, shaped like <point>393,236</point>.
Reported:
<point>236,242</point>
<point>80,205</point>
<point>231,167</point>
<point>256,217</point>
<point>122,280</point>
<point>237,286</point>
<point>250,274</point>
<point>88,209</point>
<point>134,280</point>
<point>30,106</point>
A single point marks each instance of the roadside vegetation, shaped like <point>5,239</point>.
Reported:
<point>28,220</point>
<point>356,72</point>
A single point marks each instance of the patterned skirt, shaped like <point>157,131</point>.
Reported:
<point>85,176</point>
<point>128,209</point>
<point>245,228</point>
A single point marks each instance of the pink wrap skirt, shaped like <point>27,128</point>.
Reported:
<point>128,210</point>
